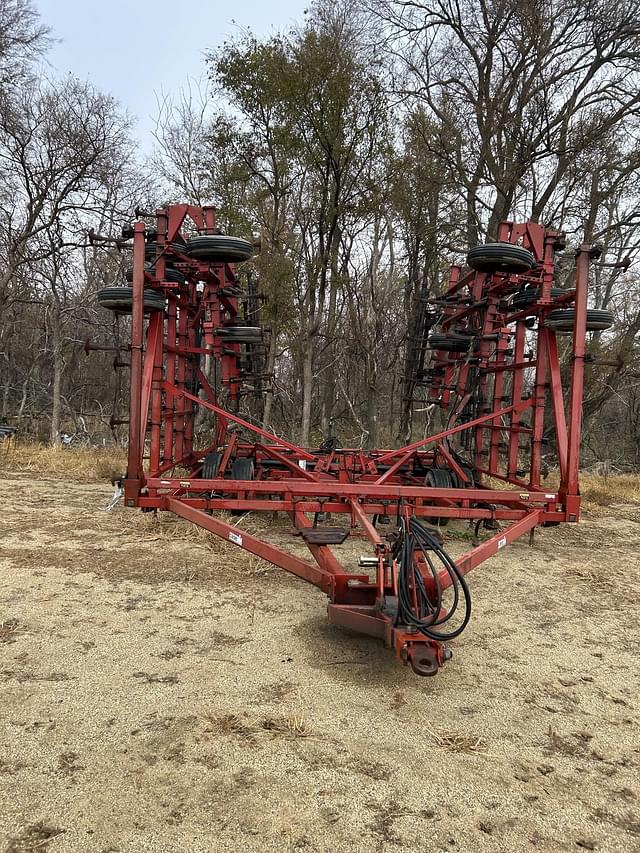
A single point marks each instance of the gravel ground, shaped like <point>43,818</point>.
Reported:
<point>162,692</point>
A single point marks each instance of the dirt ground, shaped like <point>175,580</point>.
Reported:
<point>161,692</point>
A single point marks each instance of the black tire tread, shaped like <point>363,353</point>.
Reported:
<point>527,297</point>
<point>438,478</point>
<point>210,465</point>
<point>120,299</point>
<point>220,247</point>
<point>500,257</point>
<point>563,320</point>
<point>243,469</point>
<point>450,343</point>
<point>170,274</point>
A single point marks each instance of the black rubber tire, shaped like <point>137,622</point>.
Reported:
<point>210,465</point>
<point>242,469</point>
<point>449,343</point>
<point>500,257</point>
<point>527,297</point>
<point>256,331</point>
<point>120,300</point>
<point>459,483</point>
<point>241,334</point>
<point>438,478</point>
<point>562,320</point>
<point>170,274</point>
<point>150,250</point>
<point>219,247</point>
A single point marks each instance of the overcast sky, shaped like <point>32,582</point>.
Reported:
<point>136,49</point>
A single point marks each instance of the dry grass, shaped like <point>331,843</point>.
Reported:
<point>595,574</point>
<point>457,742</point>
<point>607,580</point>
<point>249,728</point>
<point>8,630</point>
<point>80,463</point>
<point>614,489</point>
<point>596,490</point>
<point>36,836</point>
<point>164,527</point>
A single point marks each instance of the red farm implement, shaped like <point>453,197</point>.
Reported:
<point>494,371</point>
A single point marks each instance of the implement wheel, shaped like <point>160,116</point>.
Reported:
<point>210,465</point>
<point>241,334</point>
<point>438,478</point>
<point>242,469</point>
<point>170,274</point>
<point>220,248</point>
<point>562,321</point>
<point>120,300</point>
<point>527,297</point>
<point>450,343</point>
<point>501,257</point>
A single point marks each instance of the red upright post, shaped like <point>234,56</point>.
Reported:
<point>134,462</point>
<point>571,486</point>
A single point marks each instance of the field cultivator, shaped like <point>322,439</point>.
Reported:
<point>494,371</point>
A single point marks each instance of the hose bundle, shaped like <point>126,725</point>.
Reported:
<point>416,607</point>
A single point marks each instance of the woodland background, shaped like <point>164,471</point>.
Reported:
<point>370,147</point>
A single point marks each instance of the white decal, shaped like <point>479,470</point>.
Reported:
<point>502,542</point>
<point>302,463</point>
<point>550,497</point>
<point>235,537</point>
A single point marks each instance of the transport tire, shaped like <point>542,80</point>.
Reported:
<point>527,297</point>
<point>241,334</point>
<point>120,300</point>
<point>562,321</point>
<point>450,342</point>
<point>500,257</point>
<point>218,247</point>
<point>150,250</point>
<point>170,274</point>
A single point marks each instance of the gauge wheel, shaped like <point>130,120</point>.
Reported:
<point>438,478</point>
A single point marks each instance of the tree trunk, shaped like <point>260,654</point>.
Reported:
<point>307,393</point>
<point>268,395</point>
<point>58,369</point>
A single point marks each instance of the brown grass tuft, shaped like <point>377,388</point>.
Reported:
<point>8,630</point>
<point>80,463</point>
<point>249,728</point>
<point>292,726</point>
<point>37,836</point>
<point>599,490</point>
<point>604,491</point>
<point>457,742</point>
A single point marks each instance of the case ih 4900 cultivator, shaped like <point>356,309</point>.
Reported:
<point>494,369</point>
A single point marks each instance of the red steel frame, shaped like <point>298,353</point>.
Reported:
<point>501,421</point>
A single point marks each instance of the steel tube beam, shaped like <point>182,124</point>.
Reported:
<point>134,462</point>
<point>302,568</point>
<point>391,454</point>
